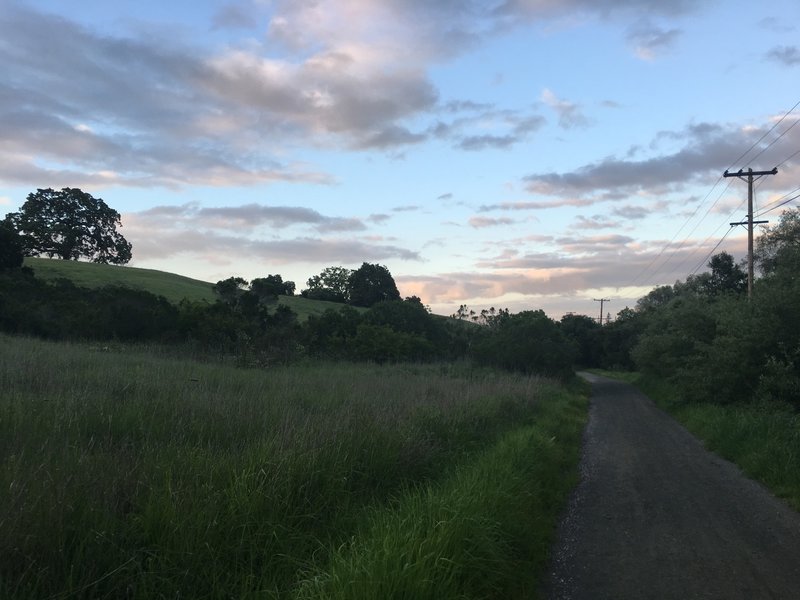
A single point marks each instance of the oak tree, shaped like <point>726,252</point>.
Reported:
<point>70,224</point>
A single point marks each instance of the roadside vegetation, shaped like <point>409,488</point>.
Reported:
<point>132,474</point>
<point>727,367</point>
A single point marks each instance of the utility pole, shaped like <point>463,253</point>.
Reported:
<point>750,177</point>
<point>601,301</point>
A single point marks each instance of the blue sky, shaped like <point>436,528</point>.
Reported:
<point>511,153</point>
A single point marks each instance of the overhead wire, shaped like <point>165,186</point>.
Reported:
<point>686,239</point>
<point>716,183</point>
<point>785,202</point>
<point>714,249</point>
<point>785,131</point>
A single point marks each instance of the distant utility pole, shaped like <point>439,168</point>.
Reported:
<point>601,301</point>
<point>749,177</point>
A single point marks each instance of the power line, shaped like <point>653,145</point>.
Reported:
<point>692,216</point>
<point>771,129</point>
<point>791,156</point>
<point>699,204</point>
<point>768,146</point>
<point>763,212</point>
<point>714,249</point>
<point>683,243</point>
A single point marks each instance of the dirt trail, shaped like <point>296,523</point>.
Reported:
<point>656,516</point>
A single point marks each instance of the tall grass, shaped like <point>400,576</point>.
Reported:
<point>484,532</point>
<point>132,475</point>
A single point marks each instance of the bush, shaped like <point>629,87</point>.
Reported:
<point>528,342</point>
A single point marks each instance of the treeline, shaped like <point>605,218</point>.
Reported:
<point>707,338</point>
<point>247,322</point>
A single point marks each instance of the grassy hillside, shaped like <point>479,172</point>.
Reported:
<point>173,287</point>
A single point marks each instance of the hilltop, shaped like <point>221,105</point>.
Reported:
<point>173,287</point>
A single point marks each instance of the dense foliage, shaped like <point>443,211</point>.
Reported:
<point>12,250</point>
<point>709,340</point>
<point>70,224</point>
<point>249,324</point>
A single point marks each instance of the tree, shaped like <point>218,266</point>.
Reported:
<point>370,284</point>
<point>331,285</point>
<point>779,247</point>
<point>11,247</point>
<point>529,342</point>
<point>726,275</point>
<point>270,287</point>
<point>584,331</point>
<point>230,289</point>
<point>70,224</point>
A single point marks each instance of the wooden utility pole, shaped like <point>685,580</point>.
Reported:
<point>750,177</point>
<point>601,301</point>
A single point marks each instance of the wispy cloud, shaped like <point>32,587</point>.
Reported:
<point>482,222</point>
<point>708,149</point>
<point>569,114</point>
<point>785,55</point>
<point>228,232</point>
<point>650,41</point>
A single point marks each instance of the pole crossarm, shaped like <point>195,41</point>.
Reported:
<point>742,174</point>
<point>747,223</point>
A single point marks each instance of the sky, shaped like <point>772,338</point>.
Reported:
<point>521,154</point>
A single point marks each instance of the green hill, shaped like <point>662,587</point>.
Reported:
<point>173,287</point>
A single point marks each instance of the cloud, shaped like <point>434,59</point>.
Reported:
<point>482,142</point>
<point>5,201</point>
<point>227,233</point>
<point>707,150</point>
<point>776,25</point>
<point>574,268</point>
<point>537,9</point>
<point>650,41</point>
<point>407,208</point>
<point>595,222</point>
<point>631,212</point>
<point>569,114</point>
<point>500,129</point>
<point>543,205</point>
<point>82,108</point>
<point>788,56</point>
<point>482,222</point>
<point>247,217</point>
<point>297,250</point>
<point>234,16</point>
<point>141,109</point>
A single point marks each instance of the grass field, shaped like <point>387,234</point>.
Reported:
<point>763,439</point>
<point>135,475</point>
<point>173,287</point>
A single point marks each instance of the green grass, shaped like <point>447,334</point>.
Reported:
<point>173,287</point>
<point>484,532</point>
<point>136,475</point>
<point>762,438</point>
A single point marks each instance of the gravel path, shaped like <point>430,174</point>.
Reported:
<point>656,516</point>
